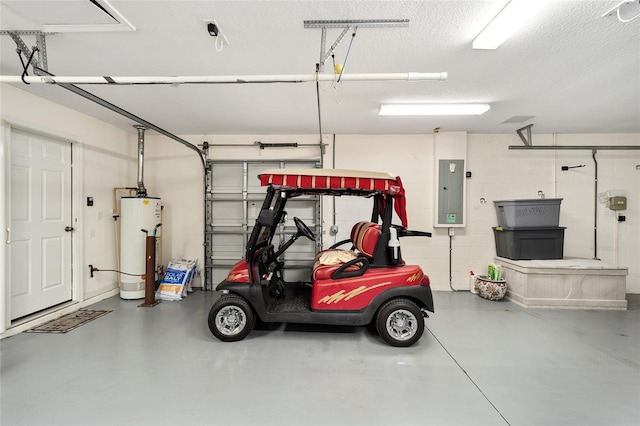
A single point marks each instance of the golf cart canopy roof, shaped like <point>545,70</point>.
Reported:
<point>338,182</point>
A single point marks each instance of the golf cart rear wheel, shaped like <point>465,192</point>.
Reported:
<point>399,322</point>
<point>231,318</point>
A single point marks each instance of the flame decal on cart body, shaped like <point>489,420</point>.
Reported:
<point>356,293</point>
<point>340,295</point>
<point>239,272</point>
<point>415,277</point>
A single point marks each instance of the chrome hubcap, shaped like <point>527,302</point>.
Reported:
<point>401,324</point>
<point>230,320</point>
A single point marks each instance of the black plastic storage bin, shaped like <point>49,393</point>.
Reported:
<point>530,243</point>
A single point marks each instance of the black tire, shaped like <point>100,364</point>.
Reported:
<point>231,318</point>
<point>399,322</point>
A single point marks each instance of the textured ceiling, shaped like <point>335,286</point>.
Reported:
<point>572,69</point>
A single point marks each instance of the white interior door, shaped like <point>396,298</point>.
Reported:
<point>40,210</point>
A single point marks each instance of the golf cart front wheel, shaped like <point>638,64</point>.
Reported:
<point>231,318</point>
<point>399,322</point>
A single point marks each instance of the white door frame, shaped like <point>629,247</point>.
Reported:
<point>76,212</point>
<point>4,289</point>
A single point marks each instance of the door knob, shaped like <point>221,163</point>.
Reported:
<point>68,228</point>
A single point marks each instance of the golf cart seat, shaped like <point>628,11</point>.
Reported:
<point>365,237</point>
<point>336,263</point>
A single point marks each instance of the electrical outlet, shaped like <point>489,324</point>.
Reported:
<point>92,233</point>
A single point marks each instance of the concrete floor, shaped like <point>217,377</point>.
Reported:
<point>479,363</point>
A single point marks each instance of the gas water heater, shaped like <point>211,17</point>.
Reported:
<point>137,213</point>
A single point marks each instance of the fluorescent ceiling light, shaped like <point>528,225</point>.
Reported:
<point>433,109</point>
<point>507,22</point>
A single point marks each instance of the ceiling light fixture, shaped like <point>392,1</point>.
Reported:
<point>433,109</point>
<point>369,23</point>
<point>515,14</point>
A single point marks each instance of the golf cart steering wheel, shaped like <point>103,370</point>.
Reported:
<point>303,229</point>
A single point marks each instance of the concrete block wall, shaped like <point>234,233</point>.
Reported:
<point>498,174</point>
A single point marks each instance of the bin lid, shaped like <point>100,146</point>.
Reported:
<point>528,229</point>
<point>530,201</point>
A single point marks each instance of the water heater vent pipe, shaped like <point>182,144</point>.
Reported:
<point>141,190</point>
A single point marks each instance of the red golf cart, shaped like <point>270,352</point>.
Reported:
<point>368,282</point>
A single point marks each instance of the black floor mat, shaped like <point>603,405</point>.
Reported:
<point>297,298</point>
<point>68,322</point>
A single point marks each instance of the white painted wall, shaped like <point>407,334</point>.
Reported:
<point>104,156</point>
<point>412,158</point>
<point>616,171</point>
<point>498,174</point>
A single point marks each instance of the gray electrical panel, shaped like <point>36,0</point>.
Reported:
<point>450,192</point>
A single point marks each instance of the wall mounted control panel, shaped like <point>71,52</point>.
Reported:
<point>450,192</point>
<point>450,179</point>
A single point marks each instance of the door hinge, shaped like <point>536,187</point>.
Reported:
<point>8,235</point>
